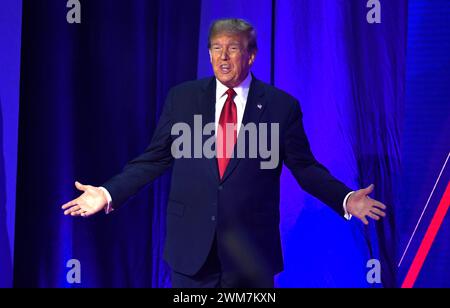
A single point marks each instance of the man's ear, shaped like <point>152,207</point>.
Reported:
<point>252,58</point>
<point>210,55</point>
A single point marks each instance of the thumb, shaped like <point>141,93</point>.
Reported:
<point>369,189</point>
<point>80,186</point>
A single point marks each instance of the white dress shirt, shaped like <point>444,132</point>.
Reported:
<point>240,99</point>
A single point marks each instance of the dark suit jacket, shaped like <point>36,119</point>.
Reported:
<point>242,209</point>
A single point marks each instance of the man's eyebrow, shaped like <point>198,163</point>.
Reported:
<point>231,43</point>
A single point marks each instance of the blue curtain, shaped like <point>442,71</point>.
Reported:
<point>348,75</point>
<point>10,27</point>
<point>90,98</point>
<point>5,251</point>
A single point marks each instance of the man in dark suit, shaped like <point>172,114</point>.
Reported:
<point>223,211</point>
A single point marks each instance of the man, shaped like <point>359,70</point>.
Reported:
<point>223,211</point>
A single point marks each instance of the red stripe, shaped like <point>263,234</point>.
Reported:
<point>428,239</point>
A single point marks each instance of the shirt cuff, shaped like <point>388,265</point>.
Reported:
<point>109,207</point>
<point>347,215</point>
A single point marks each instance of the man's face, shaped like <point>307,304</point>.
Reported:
<point>230,58</point>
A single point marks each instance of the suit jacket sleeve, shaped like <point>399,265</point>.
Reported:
<point>313,177</point>
<point>145,168</point>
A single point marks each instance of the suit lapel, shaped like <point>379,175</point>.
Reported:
<point>207,108</point>
<point>254,108</point>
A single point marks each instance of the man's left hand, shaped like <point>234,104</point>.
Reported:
<point>360,205</point>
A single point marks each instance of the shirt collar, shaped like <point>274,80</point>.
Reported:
<point>241,90</point>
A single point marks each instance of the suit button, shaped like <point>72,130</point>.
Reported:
<point>213,218</point>
<point>220,187</point>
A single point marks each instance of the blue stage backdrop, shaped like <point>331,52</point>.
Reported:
<point>10,27</point>
<point>90,98</point>
<point>348,76</point>
<point>91,95</point>
<point>426,140</point>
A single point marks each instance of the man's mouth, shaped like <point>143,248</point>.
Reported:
<point>225,68</point>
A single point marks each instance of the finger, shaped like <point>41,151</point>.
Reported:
<point>69,204</point>
<point>380,205</point>
<point>373,216</point>
<point>80,186</point>
<point>80,212</point>
<point>72,209</point>
<point>77,213</point>
<point>378,212</point>
<point>369,189</point>
<point>364,220</point>
<point>86,214</point>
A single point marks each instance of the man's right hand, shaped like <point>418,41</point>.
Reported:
<point>92,201</point>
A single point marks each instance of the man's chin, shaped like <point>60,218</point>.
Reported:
<point>226,80</point>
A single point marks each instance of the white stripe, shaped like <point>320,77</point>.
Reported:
<point>423,212</point>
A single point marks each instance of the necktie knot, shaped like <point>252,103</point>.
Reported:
<point>231,93</point>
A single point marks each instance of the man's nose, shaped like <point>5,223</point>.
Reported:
<point>224,55</point>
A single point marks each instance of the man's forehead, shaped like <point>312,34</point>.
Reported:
<point>228,38</point>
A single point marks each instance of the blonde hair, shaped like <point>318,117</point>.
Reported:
<point>234,26</point>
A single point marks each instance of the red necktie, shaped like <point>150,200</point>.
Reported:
<point>225,144</point>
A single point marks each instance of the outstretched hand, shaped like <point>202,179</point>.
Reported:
<point>360,205</point>
<point>92,201</point>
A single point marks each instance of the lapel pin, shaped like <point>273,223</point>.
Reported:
<point>259,106</point>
